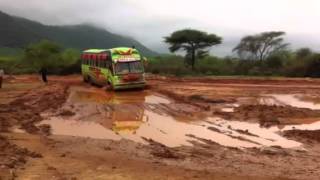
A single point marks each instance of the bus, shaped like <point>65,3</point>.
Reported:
<point>117,68</point>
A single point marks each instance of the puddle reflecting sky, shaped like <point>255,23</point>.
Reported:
<point>133,115</point>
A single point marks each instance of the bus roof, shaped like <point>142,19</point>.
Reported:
<point>105,50</point>
<point>95,50</point>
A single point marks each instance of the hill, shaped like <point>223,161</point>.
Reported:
<point>17,32</point>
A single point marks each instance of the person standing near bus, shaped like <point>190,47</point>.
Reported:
<point>1,77</point>
<point>43,72</point>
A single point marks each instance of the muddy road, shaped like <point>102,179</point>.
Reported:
<point>177,128</point>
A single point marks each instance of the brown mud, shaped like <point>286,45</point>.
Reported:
<point>311,136</point>
<point>171,130</point>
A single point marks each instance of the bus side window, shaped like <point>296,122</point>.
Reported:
<point>85,59</point>
<point>98,60</point>
<point>90,60</point>
<point>101,63</point>
<point>104,60</point>
<point>93,60</point>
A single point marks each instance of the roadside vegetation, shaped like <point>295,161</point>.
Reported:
<point>286,63</point>
<point>264,54</point>
<point>37,55</point>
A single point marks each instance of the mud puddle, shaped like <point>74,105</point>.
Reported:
<point>293,100</point>
<point>138,115</point>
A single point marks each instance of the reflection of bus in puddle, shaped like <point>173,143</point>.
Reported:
<point>126,114</point>
<point>127,121</point>
<point>123,112</point>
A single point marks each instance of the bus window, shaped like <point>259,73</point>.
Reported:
<point>122,68</point>
<point>86,61</point>
<point>91,62</point>
<point>103,60</point>
<point>98,60</point>
<point>87,58</point>
<point>104,63</point>
<point>136,67</point>
<point>126,67</point>
<point>101,63</point>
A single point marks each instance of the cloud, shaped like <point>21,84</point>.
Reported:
<point>149,21</point>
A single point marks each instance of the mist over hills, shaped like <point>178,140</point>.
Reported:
<point>17,32</point>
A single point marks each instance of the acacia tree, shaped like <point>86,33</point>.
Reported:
<point>194,42</point>
<point>51,55</point>
<point>43,54</point>
<point>261,46</point>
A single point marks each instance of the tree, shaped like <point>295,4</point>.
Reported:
<point>43,54</point>
<point>194,42</point>
<point>303,52</point>
<point>261,46</point>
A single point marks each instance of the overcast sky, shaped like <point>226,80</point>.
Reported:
<point>150,20</point>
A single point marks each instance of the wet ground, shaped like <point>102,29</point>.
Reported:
<point>208,127</point>
<point>140,115</point>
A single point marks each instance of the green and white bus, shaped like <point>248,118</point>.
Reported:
<point>118,68</point>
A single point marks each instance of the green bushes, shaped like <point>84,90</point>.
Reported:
<point>167,64</point>
<point>302,63</point>
<point>42,54</point>
<point>308,66</point>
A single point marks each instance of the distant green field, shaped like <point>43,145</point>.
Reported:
<point>10,51</point>
<point>7,59</point>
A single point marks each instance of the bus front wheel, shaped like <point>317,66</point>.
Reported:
<point>109,86</point>
<point>85,79</point>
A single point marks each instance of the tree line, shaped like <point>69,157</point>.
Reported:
<point>43,54</point>
<point>262,54</point>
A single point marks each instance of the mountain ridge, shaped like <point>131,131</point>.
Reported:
<point>18,32</point>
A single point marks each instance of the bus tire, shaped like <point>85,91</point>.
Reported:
<point>90,81</point>
<point>85,79</point>
<point>109,86</point>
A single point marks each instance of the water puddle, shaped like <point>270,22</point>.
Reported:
<point>288,99</point>
<point>138,115</point>
<point>80,128</point>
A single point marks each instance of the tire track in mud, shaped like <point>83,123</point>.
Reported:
<point>24,112</point>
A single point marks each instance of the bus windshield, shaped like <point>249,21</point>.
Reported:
<point>128,67</point>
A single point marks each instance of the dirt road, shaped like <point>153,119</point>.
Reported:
<point>177,128</point>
